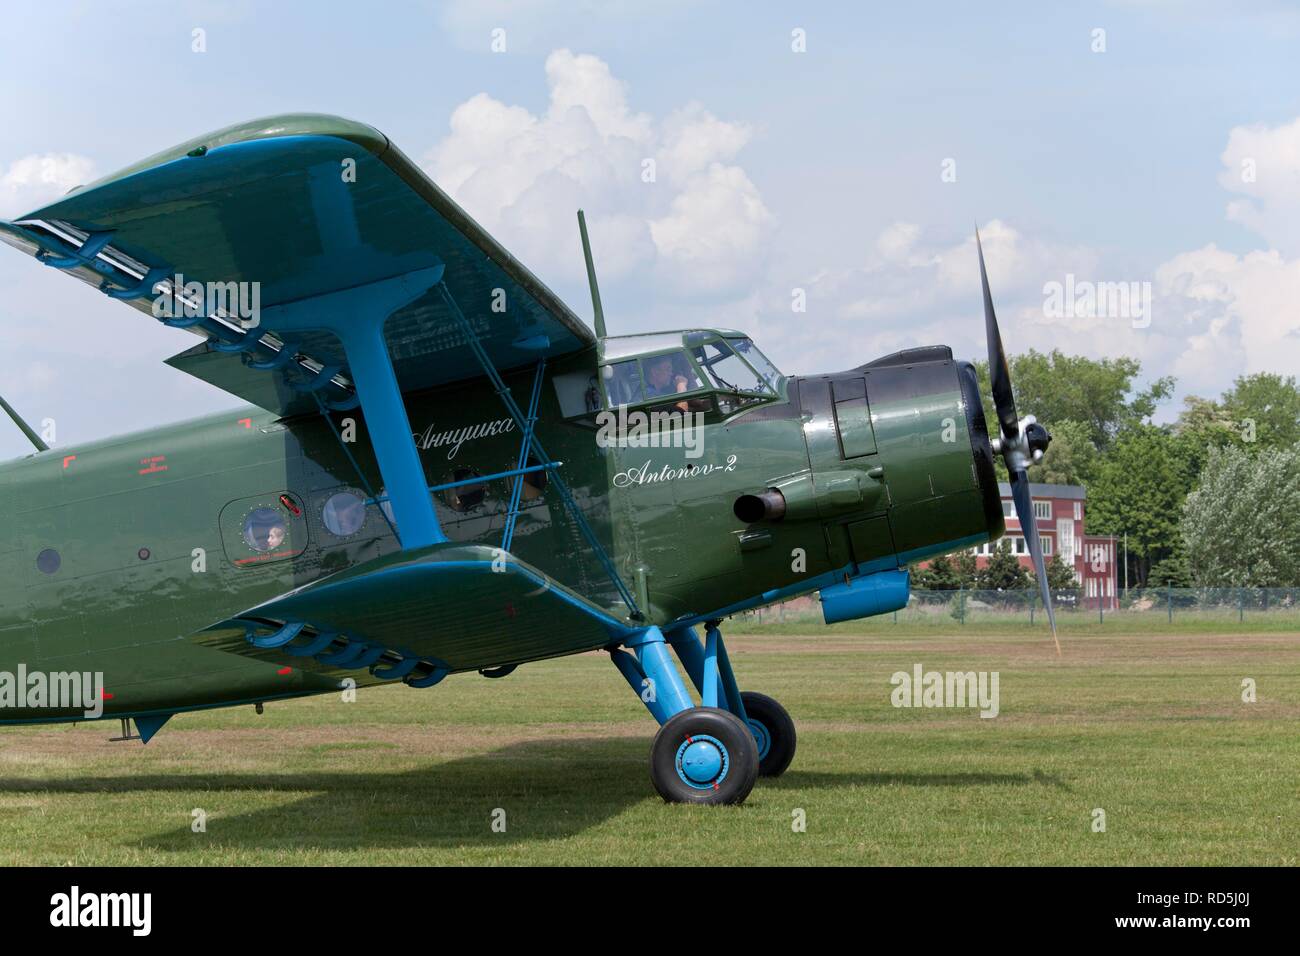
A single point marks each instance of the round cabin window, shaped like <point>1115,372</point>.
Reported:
<point>265,530</point>
<point>344,514</point>
<point>48,561</point>
<point>465,497</point>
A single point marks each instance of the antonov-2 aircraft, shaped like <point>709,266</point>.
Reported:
<point>442,471</point>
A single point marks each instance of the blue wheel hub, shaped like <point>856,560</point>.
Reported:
<point>702,761</point>
<point>761,737</point>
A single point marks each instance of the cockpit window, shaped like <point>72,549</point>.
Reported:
<point>623,383</point>
<point>669,374</point>
<point>728,370</point>
<point>757,359</point>
<point>686,379</point>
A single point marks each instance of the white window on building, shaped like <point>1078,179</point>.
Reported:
<point>1065,531</point>
<point>1043,510</point>
<point>1047,545</point>
<point>1078,511</point>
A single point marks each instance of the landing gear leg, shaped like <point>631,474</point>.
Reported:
<point>710,669</point>
<point>702,754</point>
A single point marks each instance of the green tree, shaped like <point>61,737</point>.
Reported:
<point>1060,576</point>
<point>1139,489</point>
<point>1241,527</point>
<point>1071,459</point>
<point>1204,424</point>
<point>1264,408</point>
<point>1101,395</point>
<point>1004,572</point>
<point>966,568</point>
<point>1172,571</point>
<point>938,575</point>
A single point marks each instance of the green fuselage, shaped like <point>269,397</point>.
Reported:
<point>115,553</point>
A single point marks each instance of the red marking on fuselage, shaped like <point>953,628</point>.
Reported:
<point>106,695</point>
<point>267,557</point>
<point>284,671</point>
<point>246,422</point>
<point>153,464</point>
<point>68,459</point>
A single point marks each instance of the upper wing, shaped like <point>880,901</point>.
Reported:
<point>302,206</point>
<point>420,614</point>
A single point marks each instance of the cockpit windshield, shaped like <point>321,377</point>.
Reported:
<point>765,368</point>
<point>714,371</point>
<point>728,371</point>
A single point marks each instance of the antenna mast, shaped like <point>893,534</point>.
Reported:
<point>32,437</point>
<point>591,277</point>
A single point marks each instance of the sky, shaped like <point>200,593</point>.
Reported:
<point>810,174</point>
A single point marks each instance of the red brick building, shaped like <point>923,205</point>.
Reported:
<point>1059,512</point>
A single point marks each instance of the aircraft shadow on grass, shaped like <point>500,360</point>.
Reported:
<point>549,790</point>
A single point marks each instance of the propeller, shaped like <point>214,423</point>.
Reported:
<point>1021,442</point>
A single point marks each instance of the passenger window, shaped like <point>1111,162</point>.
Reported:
<point>344,513</point>
<point>534,482</point>
<point>264,530</point>
<point>465,497</point>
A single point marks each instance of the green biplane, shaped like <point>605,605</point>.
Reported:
<point>444,470</point>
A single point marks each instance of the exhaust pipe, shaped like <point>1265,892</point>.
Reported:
<point>768,505</point>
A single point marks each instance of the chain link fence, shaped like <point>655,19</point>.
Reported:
<point>1139,606</point>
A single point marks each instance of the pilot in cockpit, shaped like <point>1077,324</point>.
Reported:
<point>663,379</point>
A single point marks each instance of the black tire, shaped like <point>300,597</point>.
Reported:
<point>776,724</point>
<point>702,729</point>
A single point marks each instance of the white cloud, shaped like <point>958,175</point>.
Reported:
<point>714,232</point>
<point>1263,164</point>
<point>699,226</point>
<point>28,183</point>
<point>1240,312</point>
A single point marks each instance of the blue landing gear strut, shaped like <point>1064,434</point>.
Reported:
<point>713,752</point>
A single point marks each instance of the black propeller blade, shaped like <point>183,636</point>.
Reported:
<point>1021,443</point>
<point>999,374</point>
<point>1029,527</point>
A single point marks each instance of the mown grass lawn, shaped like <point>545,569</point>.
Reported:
<point>1149,728</point>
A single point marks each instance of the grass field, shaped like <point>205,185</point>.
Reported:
<point>1150,728</point>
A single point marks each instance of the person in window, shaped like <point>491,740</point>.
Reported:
<point>275,537</point>
<point>662,378</point>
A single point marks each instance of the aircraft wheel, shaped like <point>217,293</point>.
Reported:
<point>773,733</point>
<point>704,755</point>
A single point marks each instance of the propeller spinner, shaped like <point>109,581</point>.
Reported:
<point>1021,442</point>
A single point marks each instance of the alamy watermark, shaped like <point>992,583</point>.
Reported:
<point>240,301</point>
<point>653,429</point>
<point>1084,299</point>
<point>74,908</point>
<point>53,690</point>
<point>922,688</point>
